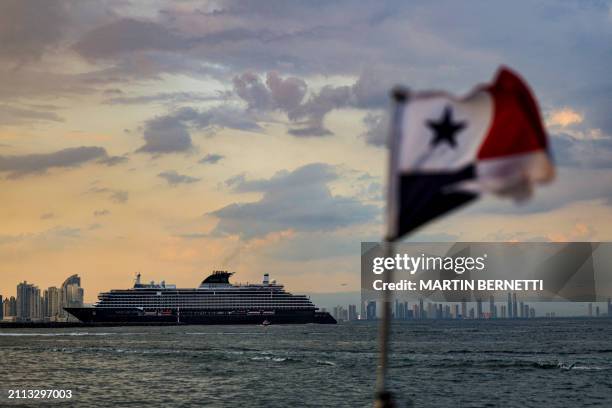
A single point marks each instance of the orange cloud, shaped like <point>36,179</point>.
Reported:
<point>564,117</point>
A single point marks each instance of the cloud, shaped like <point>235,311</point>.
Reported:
<point>13,115</point>
<point>101,213</point>
<point>173,178</point>
<point>212,158</point>
<point>114,195</point>
<point>377,128</point>
<point>587,153</point>
<point>298,200</point>
<point>170,98</point>
<point>166,134</point>
<point>47,216</point>
<point>18,166</point>
<point>368,92</point>
<point>564,117</point>
<point>29,28</point>
<point>128,35</point>
<point>170,133</point>
<point>307,117</point>
<point>119,196</point>
<point>113,160</point>
<point>284,94</point>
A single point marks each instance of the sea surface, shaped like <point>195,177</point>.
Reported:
<point>526,363</point>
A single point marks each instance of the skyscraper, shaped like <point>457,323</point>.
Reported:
<point>509,306</point>
<point>29,303</point>
<point>51,300</point>
<point>514,306</point>
<point>479,308</point>
<point>421,309</point>
<point>371,310</point>
<point>9,307</point>
<point>1,308</point>
<point>464,308</point>
<point>352,312</point>
<point>72,295</point>
<point>492,311</point>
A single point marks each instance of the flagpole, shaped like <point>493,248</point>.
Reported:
<point>384,398</point>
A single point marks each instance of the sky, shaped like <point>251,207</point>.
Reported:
<point>176,138</point>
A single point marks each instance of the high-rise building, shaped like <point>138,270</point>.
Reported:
<point>352,312</point>
<point>492,311</point>
<point>9,308</point>
<point>340,313</point>
<point>503,311</point>
<point>371,310</point>
<point>514,306</point>
<point>522,310</point>
<point>1,308</point>
<point>526,312</point>
<point>51,300</point>
<point>590,310</point>
<point>509,306</point>
<point>597,311</point>
<point>400,310</point>
<point>421,309</point>
<point>464,308</point>
<point>479,308</point>
<point>24,304</point>
<point>72,295</point>
<point>457,314</point>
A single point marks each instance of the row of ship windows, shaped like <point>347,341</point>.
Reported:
<point>194,295</point>
<point>198,292</point>
<point>232,307</point>
<point>183,304</point>
<point>224,299</point>
<point>208,300</point>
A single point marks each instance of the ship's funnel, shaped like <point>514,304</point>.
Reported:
<point>266,279</point>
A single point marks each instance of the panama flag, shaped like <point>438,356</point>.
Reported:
<point>446,151</point>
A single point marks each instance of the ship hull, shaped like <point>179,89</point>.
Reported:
<point>128,316</point>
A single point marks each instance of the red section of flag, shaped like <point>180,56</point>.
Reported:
<point>516,125</point>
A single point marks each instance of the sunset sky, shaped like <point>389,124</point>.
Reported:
<point>174,138</point>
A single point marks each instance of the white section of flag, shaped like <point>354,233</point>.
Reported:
<point>415,151</point>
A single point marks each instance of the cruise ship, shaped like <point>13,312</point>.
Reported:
<point>215,301</point>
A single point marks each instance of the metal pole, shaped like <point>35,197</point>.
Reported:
<point>384,398</point>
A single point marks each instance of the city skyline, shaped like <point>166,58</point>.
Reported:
<point>497,309</point>
<point>31,305</point>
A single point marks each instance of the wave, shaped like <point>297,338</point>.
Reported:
<point>274,359</point>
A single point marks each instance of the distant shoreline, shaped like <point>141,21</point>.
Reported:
<point>63,325</point>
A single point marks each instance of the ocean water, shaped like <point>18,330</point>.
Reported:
<point>530,363</point>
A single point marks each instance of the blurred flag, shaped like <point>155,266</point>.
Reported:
<point>445,150</point>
